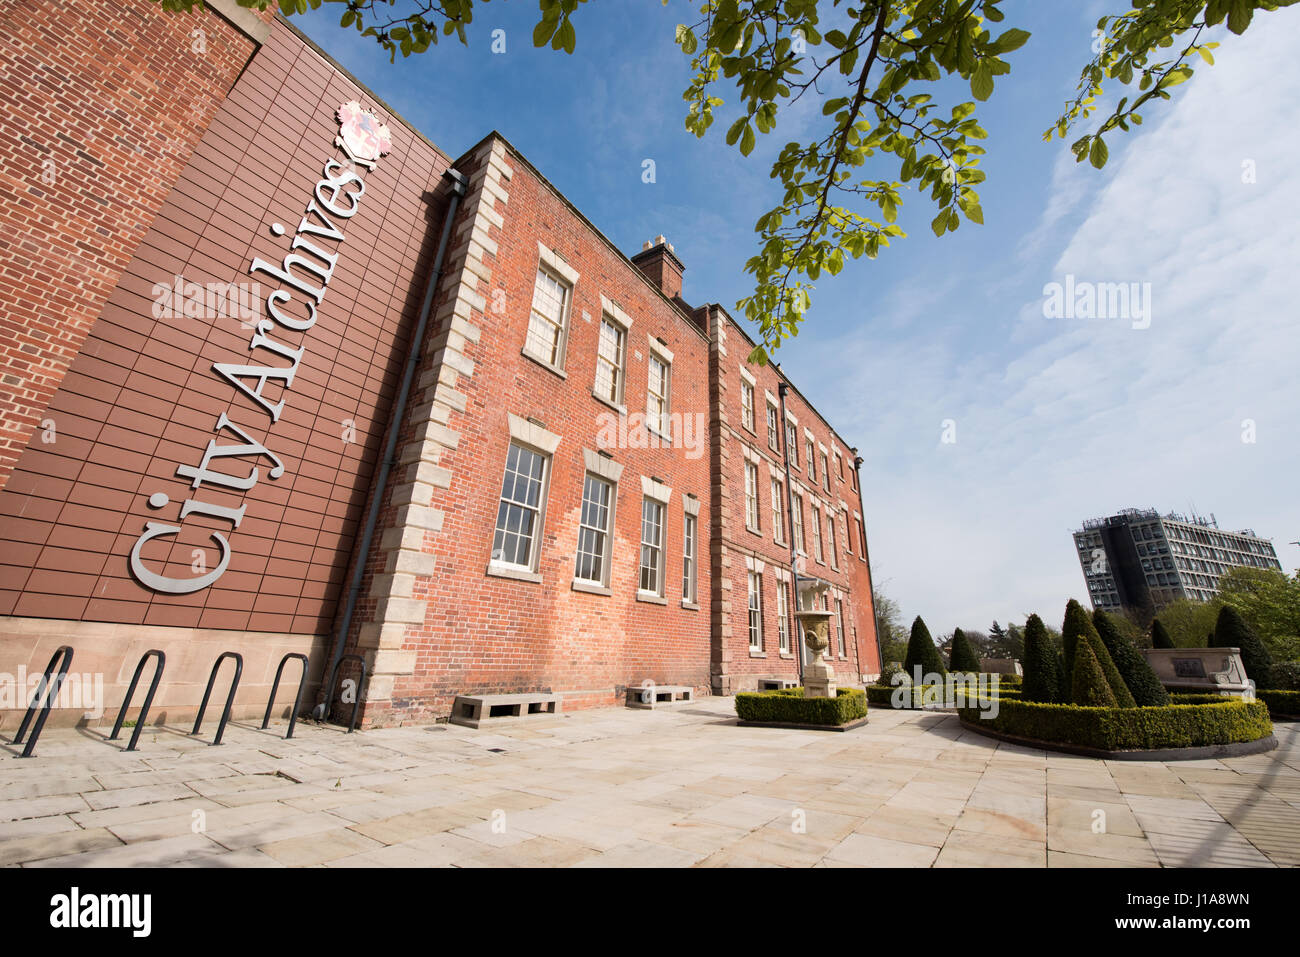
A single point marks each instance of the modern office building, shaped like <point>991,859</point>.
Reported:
<point>1141,560</point>
<point>230,277</point>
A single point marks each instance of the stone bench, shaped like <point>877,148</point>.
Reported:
<point>777,684</point>
<point>657,696</point>
<point>497,710</point>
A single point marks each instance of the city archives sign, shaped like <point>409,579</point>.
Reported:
<point>291,306</point>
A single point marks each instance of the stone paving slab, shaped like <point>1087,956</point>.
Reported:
<point>617,788</point>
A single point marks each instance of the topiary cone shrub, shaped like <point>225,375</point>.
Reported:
<point>1231,631</point>
<point>1040,681</point>
<point>921,651</point>
<point>1075,624</point>
<point>1090,687</point>
<point>1159,636</point>
<point>1077,630</point>
<point>961,657</point>
<point>1142,683</point>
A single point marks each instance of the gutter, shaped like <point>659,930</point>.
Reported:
<point>871,588</point>
<point>783,435</point>
<point>459,187</point>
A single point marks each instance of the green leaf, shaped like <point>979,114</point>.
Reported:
<point>543,32</point>
<point>747,140</point>
<point>1011,40</point>
<point>981,82</point>
<point>1099,153</point>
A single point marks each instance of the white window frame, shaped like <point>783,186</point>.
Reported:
<point>783,615</point>
<point>778,510</point>
<point>833,545</point>
<point>659,422</point>
<point>839,614</point>
<point>792,442</point>
<point>618,370</point>
<point>606,534</point>
<point>690,558</point>
<point>773,427</point>
<point>796,518</point>
<point>751,497</point>
<point>551,266</point>
<point>535,439</point>
<point>747,404</point>
<point>538,512</point>
<point>656,493</point>
<point>656,549</point>
<point>754,607</point>
<point>815,520</point>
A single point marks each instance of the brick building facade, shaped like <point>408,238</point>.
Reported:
<point>565,504</point>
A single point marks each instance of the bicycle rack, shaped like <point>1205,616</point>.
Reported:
<point>63,652</point>
<point>356,705</point>
<point>297,701</point>
<point>230,699</point>
<point>148,698</point>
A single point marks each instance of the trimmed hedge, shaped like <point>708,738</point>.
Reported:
<point>1286,703</point>
<point>789,705</point>
<point>1129,729</point>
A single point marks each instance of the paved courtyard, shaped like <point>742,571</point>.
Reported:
<point>642,788</point>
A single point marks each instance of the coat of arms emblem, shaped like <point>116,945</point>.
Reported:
<point>366,137</point>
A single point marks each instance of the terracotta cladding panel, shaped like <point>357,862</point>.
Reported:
<point>139,397</point>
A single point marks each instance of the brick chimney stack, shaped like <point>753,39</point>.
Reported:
<point>658,261</point>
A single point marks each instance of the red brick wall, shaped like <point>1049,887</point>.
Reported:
<point>488,634</point>
<point>735,667</point>
<point>93,134</point>
<point>141,397</point>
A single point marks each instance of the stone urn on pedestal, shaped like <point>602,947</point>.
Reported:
<point>815,626</point>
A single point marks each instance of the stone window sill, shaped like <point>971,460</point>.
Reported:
<point>757,654</point>
<point>498,570</point>
<point>650,597</point>
<point>556,370</point>
<point>753,531</point>
<point>591,588</point>
<point>788,656</point>
<point>620,409</point>
<point>665,439</point>
<point>690,605</point>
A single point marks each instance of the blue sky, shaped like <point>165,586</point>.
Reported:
<point>1056,420</point>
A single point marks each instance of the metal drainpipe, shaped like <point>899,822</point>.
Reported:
<point>880,655</point>
<point>459,186</point>
<point>783,436</point>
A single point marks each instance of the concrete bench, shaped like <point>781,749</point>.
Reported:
<point>497,710</point>
<point>777,684</point>
<point>657,696</point>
